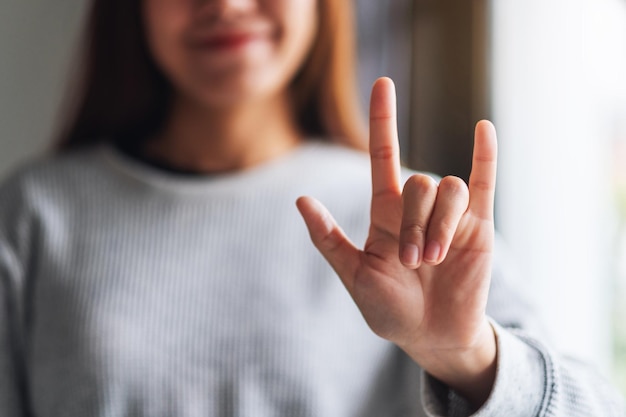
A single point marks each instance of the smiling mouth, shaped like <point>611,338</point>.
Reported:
<point>229,41</point>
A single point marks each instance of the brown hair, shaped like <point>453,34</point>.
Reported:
<point>123,95</point>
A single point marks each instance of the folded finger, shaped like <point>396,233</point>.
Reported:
<point>418,200</point>
<point>452,202</point>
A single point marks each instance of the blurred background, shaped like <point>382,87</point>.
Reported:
<point>551,74</point>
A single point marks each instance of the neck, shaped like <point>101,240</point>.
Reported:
<point>213,140</point>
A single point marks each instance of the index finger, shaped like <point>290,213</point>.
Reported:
<point>384,148</point>
<point>482,181</point>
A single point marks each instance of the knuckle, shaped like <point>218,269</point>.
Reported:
<point>446,227</point>
<point>481,185</point>
<point>382,332</point>
<point>330,241</point>
<point>383,152</point>
<point>413,231</point>
<point>382,116</point>
<point>484,158</point>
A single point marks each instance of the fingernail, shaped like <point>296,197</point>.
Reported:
<point>410,254</point>
<point>431,254</point>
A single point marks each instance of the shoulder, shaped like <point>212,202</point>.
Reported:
<point>46,182</point>
<point>49,173</point>
<point>44,192</point>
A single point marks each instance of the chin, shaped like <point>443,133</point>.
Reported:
<point>236,89</point>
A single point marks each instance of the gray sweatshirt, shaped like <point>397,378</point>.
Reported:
<point>129,292</point>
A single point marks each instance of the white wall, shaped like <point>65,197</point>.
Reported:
<point>559,74</point>
<point>37,39</point>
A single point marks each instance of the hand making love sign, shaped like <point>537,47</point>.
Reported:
<point>422,279</point>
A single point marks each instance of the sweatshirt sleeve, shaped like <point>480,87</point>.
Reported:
<point>11,383</point>
<point>531,379</point>
<point>13,232</point>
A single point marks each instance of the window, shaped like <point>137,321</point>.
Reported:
<point>559,96</point>
<point>550,73</point>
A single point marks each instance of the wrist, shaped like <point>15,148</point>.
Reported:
<point>469,371</point>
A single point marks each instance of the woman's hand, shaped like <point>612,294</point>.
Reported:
<point>423,277</point>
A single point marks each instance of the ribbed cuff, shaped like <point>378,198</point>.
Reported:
<point>519,390</point>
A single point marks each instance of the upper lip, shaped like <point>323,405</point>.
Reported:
<point>228,34</point>
<point>226,38</point>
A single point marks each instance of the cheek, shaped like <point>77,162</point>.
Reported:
<point>300,25</point>
<point>165,22</point>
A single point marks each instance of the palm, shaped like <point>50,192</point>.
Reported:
<point>440,305</point>
<point>420,302</point>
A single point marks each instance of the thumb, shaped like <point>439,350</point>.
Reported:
<point>330,240</point>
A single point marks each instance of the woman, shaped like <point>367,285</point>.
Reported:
<point>156,265</point>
